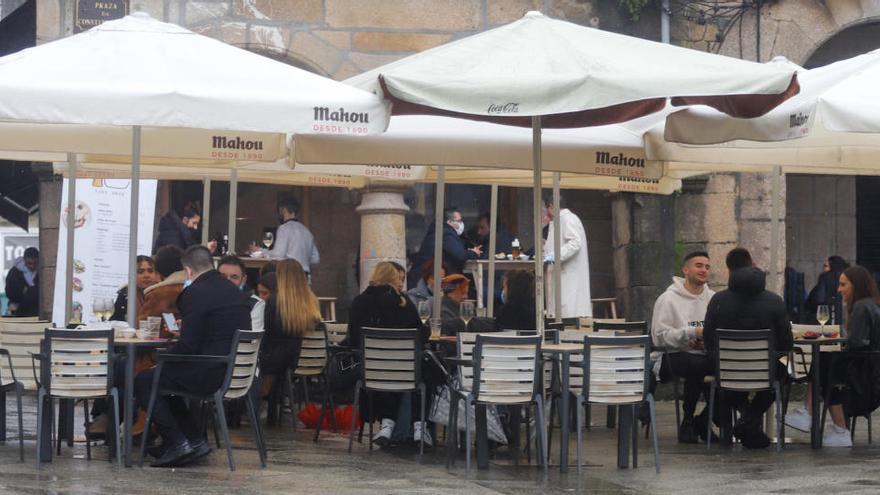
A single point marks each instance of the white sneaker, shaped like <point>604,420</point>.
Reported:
<point>383,436</point>
<point>837,437</point>
<point>799,419</point>
<point>417,434</point>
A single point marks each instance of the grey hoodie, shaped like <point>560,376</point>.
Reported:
<point>677,313</point>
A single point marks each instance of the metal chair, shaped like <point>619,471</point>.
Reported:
<point>615,372</point>
<point>6,386</point>
<point>746,362</point>
<point>21,337</point>
<point>392,362</point>
<point>869,354</point>
<point>618,328</point>
<point>79,366</point>
<point>506,371</point>
<point>244,373</point>
<point>229,361</point>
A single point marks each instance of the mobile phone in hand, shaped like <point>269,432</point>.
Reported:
<point>170,322</point>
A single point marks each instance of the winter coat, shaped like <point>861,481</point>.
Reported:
<point>862,369</point>
<point>20,292</point>
<point>575,265</point>
<point>172,231</point>
<point>380,306</point>
<point>455,254</point>
<point>746,305</point>
<point>162,297</point>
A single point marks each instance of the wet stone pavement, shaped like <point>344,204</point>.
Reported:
<point>297,465</point>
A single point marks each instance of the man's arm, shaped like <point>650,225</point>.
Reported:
<point>282,240</point>
<point>315,258</point>
<point>665,330</point>
<point>571,241</point>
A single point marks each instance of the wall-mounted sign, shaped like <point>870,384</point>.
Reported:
<point>90,13</point>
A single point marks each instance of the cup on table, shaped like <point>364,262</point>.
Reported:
<point>155,322</point>
<point>143,329</point>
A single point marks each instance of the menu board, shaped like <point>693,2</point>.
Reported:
<point>100,244</point>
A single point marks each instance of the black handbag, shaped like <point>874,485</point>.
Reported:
<point>343,368</point>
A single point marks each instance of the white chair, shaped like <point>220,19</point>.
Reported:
<point>5,386</point>
<point>244,372</point>
<point>21,337</point>
<point>616,373</point>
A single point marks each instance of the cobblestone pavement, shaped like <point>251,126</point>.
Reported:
<point>297,465</point>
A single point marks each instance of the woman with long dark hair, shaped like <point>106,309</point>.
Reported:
<point>517,311</point>
<point>146,276</point>
<point>861,298</point>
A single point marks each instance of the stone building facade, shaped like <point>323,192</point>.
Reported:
<point>341,38</point>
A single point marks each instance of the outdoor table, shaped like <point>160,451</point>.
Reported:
<point>131,346</point>
<point>815,347</point>
<point>478,267</point>
<point>564,352</point>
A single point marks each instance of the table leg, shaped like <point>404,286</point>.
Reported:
<point>478,281</point>
<point>515,414</point>
<point>2,415</point>
<point>128,400</point>
<point>624,430</point>
<point>482,437</point>
<point>815,433</point>
<point>563,415</point>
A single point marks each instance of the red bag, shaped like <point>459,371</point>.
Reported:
<point>343,418</point>
<point>309,416</point>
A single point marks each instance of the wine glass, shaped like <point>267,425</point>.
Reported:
<point>822,315</point>
<point>268,239</point>
<point>467,311</point>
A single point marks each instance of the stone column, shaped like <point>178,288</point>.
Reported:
<point>383,227</point>
<point>49,218</point>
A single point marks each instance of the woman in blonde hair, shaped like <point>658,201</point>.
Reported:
<point>383,304</point>
<point>291,312</point>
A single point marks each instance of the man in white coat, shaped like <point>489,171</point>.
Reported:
<point>574,263</point>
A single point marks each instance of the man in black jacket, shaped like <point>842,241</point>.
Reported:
<point>455,253</point>
<point>212,309</point>
<point>22,284</point>
<point>746,305</point>
<point>178,230</point>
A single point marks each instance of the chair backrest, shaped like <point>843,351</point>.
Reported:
<point>586,323</point>
<point>21,337</point>
<point>569,323</point>
<point>80,361</point>
<point>313,353</point>
<point>745,359</point>
<point>622,328</point>
<point>328,308</point>
<point>481,324</point>
<point>802,358</point>
<point>617,368</point>
<point>245,368</point>
<point>576,369</point>
<point>336,332</point>
<point>465,342</point>
<point>507,369</point>
<point>392,358</point>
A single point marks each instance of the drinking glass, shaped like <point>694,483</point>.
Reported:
<point>424,312</point>
<point>823,315</point>
<point>268,239</point>
<point>467,311</point>
<point>98,308</point>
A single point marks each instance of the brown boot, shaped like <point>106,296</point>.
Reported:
<point>98,427</point>
<point>138,427</point>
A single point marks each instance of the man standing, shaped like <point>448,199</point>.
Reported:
<point>677,327</point>
<point>22,284</point>
<point>293,239</point>
<point>233,269</point>
<point>212,309</point>
<point>746,305</point>
<point>574,263</point>
<point>178,230</point>
<point>455,254</point>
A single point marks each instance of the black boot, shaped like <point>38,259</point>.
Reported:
<point>701,424</point>
<point>686,432</point>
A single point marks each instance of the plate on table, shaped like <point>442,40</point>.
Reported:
<point>811,335</point>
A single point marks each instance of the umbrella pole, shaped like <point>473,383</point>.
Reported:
<point>536,210</point>
<point>206,211</point>
<point>557,252</point>
<point>490,253</point>
<point>776,184</point>
<point>233,207</point>
<point>439,201</point>
<point>133,224</point>
<point>71,218</point>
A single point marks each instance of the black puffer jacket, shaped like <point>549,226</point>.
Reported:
<point>746,305</point>
<point>172,231</point>
<point>380,306</point>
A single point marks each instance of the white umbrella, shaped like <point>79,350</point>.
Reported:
<point>139,73</point>
<point>543,72</point>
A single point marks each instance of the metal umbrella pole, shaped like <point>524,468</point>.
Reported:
<point>71,218</point>
<point>233,208</point>
<point>490,254</point>
<point>439,201</point>
<point>206,211</point>
<point>536,210</point>
<point>557,252</point>
<point>133,224</point>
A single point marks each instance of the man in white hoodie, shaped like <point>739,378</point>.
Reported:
<point>677,327</point>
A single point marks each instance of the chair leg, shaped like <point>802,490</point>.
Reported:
<point>675,395</point>
<point>467,433</point>
<point>554,410</point>
<point>220,417</point>
<point>709,425</point>
<point>579,413</point>
<point>423,392</point>
<point>41,398</point>
<point>206,413</point>
<point>114,425</point>
<point>541,431</point>
<point>19,389</point>
<point>60,429</point>
<point>611,417</point>
<point>289,381</point>
<point>868,417</point>
<point>653,411</point>
<point>452,430</point>
<point>354,415</point>
<point>372,419</point>
<point>258,434</point>
<point>780,425</point>
<point>321,419</point>
<point>332,401</point>
<point>86,421</point>
<point>528,435</point>
<point>154,390</point>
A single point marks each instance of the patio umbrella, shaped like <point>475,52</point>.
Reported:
<point>138,73</point>
<point>542,72</point>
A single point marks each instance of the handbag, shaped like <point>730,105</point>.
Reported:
<point>343,368</point>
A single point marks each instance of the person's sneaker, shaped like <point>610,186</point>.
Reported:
<point>686,432</point>
<point>799,419</point>
<point>97,428</point>
<point>383,436</point>
<point>417,434</point>
<point>835,436</point>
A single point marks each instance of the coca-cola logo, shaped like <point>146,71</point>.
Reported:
<point>500,108</point>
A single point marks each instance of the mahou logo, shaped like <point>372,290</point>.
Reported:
<point>606,158</point>
<point>235,143</point>
<point>797,120</point>
<point>500,108</point>
<point>324,114</point>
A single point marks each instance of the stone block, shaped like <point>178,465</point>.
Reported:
<point>323,56</point>
<point>754,185</point>
<point>753,209</point>
<point>690,217</point>
<point>799,197</point>
<point>201,12</point>
<point>156,8</point>
<point>504,11</point>
<point>375,41</point>
<point>339,39</point>
<point>579,11</point>
<point>436,15</point>
<point>720,219</point>
<point>844,12</point>
<point>824,195</point>
<point>620,260</point>
<point>640,302</point>
<point>845,230</point>
<point>754,235</point>
<point>344,71</point>
<point>846,195</point>
<point>366,61</point>
<point>48,21</point>
<point>273,39</point>
<point>721,183</point>
<point>304,11</point>
<point>645,216</point>
<point>645,264</point>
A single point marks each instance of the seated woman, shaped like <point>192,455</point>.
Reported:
<point>382,304</point>
<point>455,290</point>
<point>826,287</point>
<point>517,311</point>
<point>861,296</point>
<point>291,311</point>
<point>267,285</point>
<point>146,276</point>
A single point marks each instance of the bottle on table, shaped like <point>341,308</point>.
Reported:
<point>515,248</point>
<point>225,246</point>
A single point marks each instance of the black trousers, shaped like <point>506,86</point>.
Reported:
<point>752,409</point>
<point>693,369</point>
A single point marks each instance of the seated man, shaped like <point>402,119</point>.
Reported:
<point>677,327</point>
<point>746,305</point>
<point>234,270</point>
<point>212,309</point>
